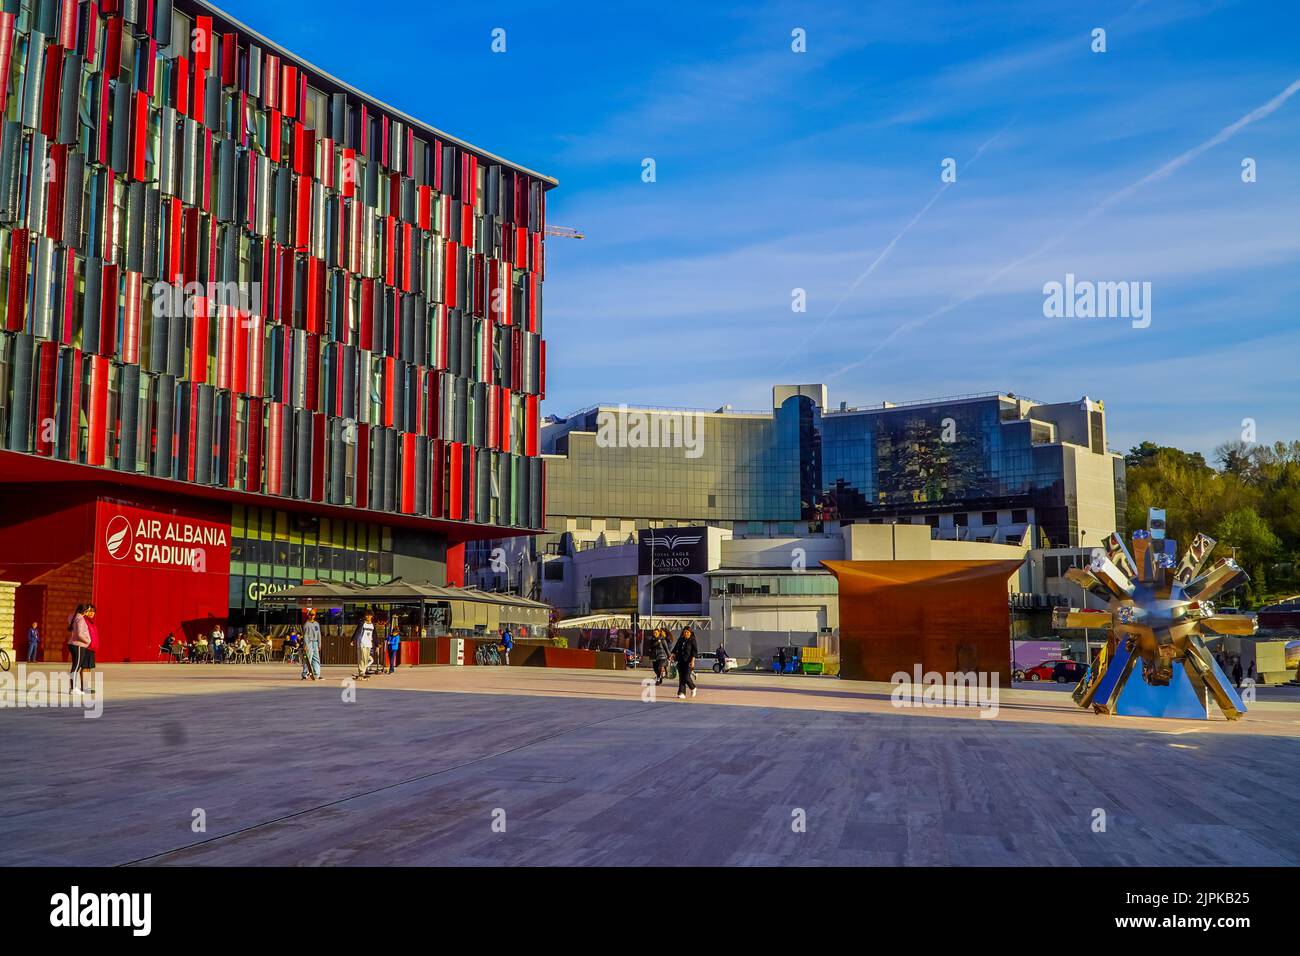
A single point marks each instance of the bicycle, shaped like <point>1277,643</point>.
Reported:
<point>293,655</point>
<point>4,659</point>
<point>487,655</point>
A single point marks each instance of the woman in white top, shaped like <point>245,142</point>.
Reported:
<point>364,639</point>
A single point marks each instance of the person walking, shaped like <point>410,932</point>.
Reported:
<point>218,643</point>
<point>394,645</point>
<point>78,645</point>
<point>92,629</point>
<point>311,647</point>
<point>780,660</point>
<point>33,642</point>
<point>1236,672</point>
<point>507,642</point>
<point>364,639</point>
<point>685,651</point>
<point>659,653</point>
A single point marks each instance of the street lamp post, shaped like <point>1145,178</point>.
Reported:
<point>1087,646</point>
<point>652,576</point>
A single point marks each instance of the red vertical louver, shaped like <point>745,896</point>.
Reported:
<point>96,408</point>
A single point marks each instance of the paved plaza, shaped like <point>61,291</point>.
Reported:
<point>524,766</point>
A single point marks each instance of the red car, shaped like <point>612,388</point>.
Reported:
<point>1062,672</point>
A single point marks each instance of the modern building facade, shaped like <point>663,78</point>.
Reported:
<point>987,468</point>
<point>256,327</point>
<point>986,477</point>
<point>760,593</point>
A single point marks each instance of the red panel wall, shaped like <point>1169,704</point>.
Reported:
<point>157,570</point>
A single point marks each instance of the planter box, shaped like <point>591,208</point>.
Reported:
<point>569,657</point>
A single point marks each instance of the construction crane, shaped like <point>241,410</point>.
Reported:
<point>564,232</point>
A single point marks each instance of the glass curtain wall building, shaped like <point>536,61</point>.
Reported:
<point>989,468</point>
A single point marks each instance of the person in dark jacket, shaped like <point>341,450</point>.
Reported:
<point>33,641</point>
<point>507,642</point>
<point>722,658</point>
<point>685,651</point>
<point>1236,673</point>
<point>780,660</point>
<point>659,654</point>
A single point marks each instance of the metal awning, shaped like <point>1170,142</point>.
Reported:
<point>395,591</point>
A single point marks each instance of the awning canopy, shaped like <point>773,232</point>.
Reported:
<point>396,591</point>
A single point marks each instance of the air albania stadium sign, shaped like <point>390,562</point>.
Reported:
<point>673,551</point>
<point>162,542</point>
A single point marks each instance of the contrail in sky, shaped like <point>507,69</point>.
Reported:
<point>1178,162</point>
<point>889,247</point>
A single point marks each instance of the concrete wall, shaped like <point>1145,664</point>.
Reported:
<point>748,645</point>
<point>780,393</point>
<point>912,542</point>
<point>8,594</point>
<point>1094,480</point>
<point>761,553</point>
<point>782,613</point>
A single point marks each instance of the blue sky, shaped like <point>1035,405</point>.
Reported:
<point>779,170</point>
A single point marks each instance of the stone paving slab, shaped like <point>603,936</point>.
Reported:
<point>581,770</point>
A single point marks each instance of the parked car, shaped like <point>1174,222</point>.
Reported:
<point>630,657</point>
<point>1062,672</point>
<point>709,659</point>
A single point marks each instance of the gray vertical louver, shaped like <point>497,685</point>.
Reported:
<point>120,129</point>
<point>34,74</point>
<point>302,454</point>
<point>90,305</point>
<point>337,487</point>
<point>10,152</point>
<point>203,419</point>
<point>164,424</point>
<point>74,187</point>
<point>20,400</point>
<point>69,126</point>
<point>128,418</point>
<point>166,164</point>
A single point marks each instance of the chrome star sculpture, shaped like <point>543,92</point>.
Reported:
<point>1158,615</point>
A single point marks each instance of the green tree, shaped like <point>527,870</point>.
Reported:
<point>1251,502</point>
<point>1249,535</point>
<point>1144,454</point>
